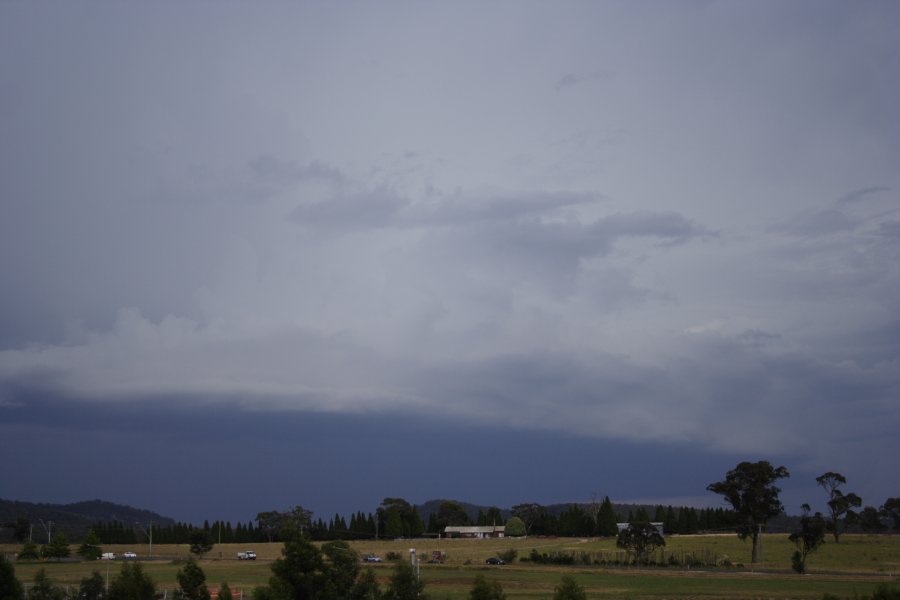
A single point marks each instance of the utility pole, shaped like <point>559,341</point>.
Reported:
<point>48,527</point>
<point>148,534</point>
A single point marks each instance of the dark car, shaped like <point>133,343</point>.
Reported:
<point>494,561</point>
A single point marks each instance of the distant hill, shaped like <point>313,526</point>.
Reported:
<point>71,519</point>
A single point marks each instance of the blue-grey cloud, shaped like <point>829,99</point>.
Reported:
<point>289,213</point>
<point>375,209</point>
<point>861,194</point>
<point>383,207</point>
<point>270,169</point>
<point>823,222</point>
<point>571,79</point>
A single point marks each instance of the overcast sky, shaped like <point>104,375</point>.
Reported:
<point>256,255</point>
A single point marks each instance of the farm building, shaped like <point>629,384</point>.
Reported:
<point>658,525</point>
<point>486,531</point>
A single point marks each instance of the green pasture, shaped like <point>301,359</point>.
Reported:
<point>849,569</point>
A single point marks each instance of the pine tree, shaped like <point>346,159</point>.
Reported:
<point>58,547</point>
<point>132,584</point>
<point>606,519</point>
<point>660,515</point>
<point>693,523</point>
<point>413,524</point>
<point>670,522</point>
<point>682,520</point>
<point>90,548</point>
<point>568,589</point>
<point>366,587</point>
<point>29,551</point>
<point>43,588</point>
<point>486,589</point>
<point>92,588</point>
<point>393,528</point>
<point>192,581</point>
<point>493,516</point>
<point>10,588</point>
<point>405,585</point>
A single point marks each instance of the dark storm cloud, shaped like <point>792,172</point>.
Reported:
<point>611,396</point>
<point>328,463</point>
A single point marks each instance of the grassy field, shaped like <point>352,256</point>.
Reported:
<point>849,569</point>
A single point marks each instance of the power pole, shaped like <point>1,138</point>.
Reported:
<point>149,534</point>
<point>48,527</point>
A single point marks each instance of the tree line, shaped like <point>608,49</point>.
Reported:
<point>116,532</point>
<point>397,518</point>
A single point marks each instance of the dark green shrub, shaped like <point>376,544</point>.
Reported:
<point>886,592</point>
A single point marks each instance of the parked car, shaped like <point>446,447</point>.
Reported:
<point>129,555</point>
<point>371,558</point>
<point>494,560</point>
<point>248,555</point>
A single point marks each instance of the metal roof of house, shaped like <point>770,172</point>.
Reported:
<point>474,529</point>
